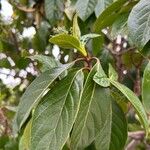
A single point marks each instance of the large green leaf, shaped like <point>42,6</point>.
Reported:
<point>68,41</point>
<point>101,6</point>
<point>93,111</point>
<point>54,10</point>
<point>108,16</point>
<point>134,101</point>
<point>139,23</point>
<point>54,116</point>
<point>34,93</point>
<point>114,134</point>
<point>146,88</point>
<point>85,8</point>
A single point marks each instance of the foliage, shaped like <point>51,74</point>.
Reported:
<point>83,75</point>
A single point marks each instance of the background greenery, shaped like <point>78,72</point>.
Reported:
<point>124,42</point>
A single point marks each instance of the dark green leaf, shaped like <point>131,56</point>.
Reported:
<point>85,8</point>
<point>101,6</point>
<point>138,23</point>
<point>34,93</point>
<point>108,16</point>
<point>54,116</point>
<point>54,10</point>
<point>114,133</point>
<point>134,101</point>
<point>92,113</point>
<point>146,88</point>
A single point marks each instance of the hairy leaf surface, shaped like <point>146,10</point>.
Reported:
<point>54,116</point>
<point>35,91</point>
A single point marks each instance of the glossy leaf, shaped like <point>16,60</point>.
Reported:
<point>92,113</point>
<point>146,88</point>
<point>138,23</point>
<point>68,41</point>
<point>34,93</point>
<point>54,116</point>
<point>101,6</point>
<point>114,133</point>
<point>134,101</point>
<point>85,8</point>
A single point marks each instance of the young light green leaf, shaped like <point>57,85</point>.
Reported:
<point>54,116</point>
<point>85,8</point>
<point>134,101</point>
<point>112,73</point>
<point>101,6</point>
<point>25,139</point>
<point>68,41</point>
<point>108,16</point>
<point>47,62</point>
<point>146,88</point>
<point>138,23</point>
<point>101,78</point>
<point>114,134</point>
<point>85,38</point>
<point>75,29</point>
<point>92,113</point>
<point>34,92</point>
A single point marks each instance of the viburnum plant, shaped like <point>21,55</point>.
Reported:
<point>77,105</point>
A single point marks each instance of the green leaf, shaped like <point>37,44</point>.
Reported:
<point>119,27</point>
<point>92,113</point>
<point>25,139</point>
<point>146,88</point>
<point>101,6</point>
<point>97,45</point>
<point>114,133</point>
<point>54,10</point>
<point>108,16</point>
<point>138,23</point>
<point>47,62</point>
<point>112,73</point>
<point>85,38</point>
<point>134,101</point>
<point>54,116</point>
<point>68,41</point>
<point>120,99</point>
<point>85,8</point>
<point>76,30</point>
<point>34,93</point>
<point>101,78</point>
